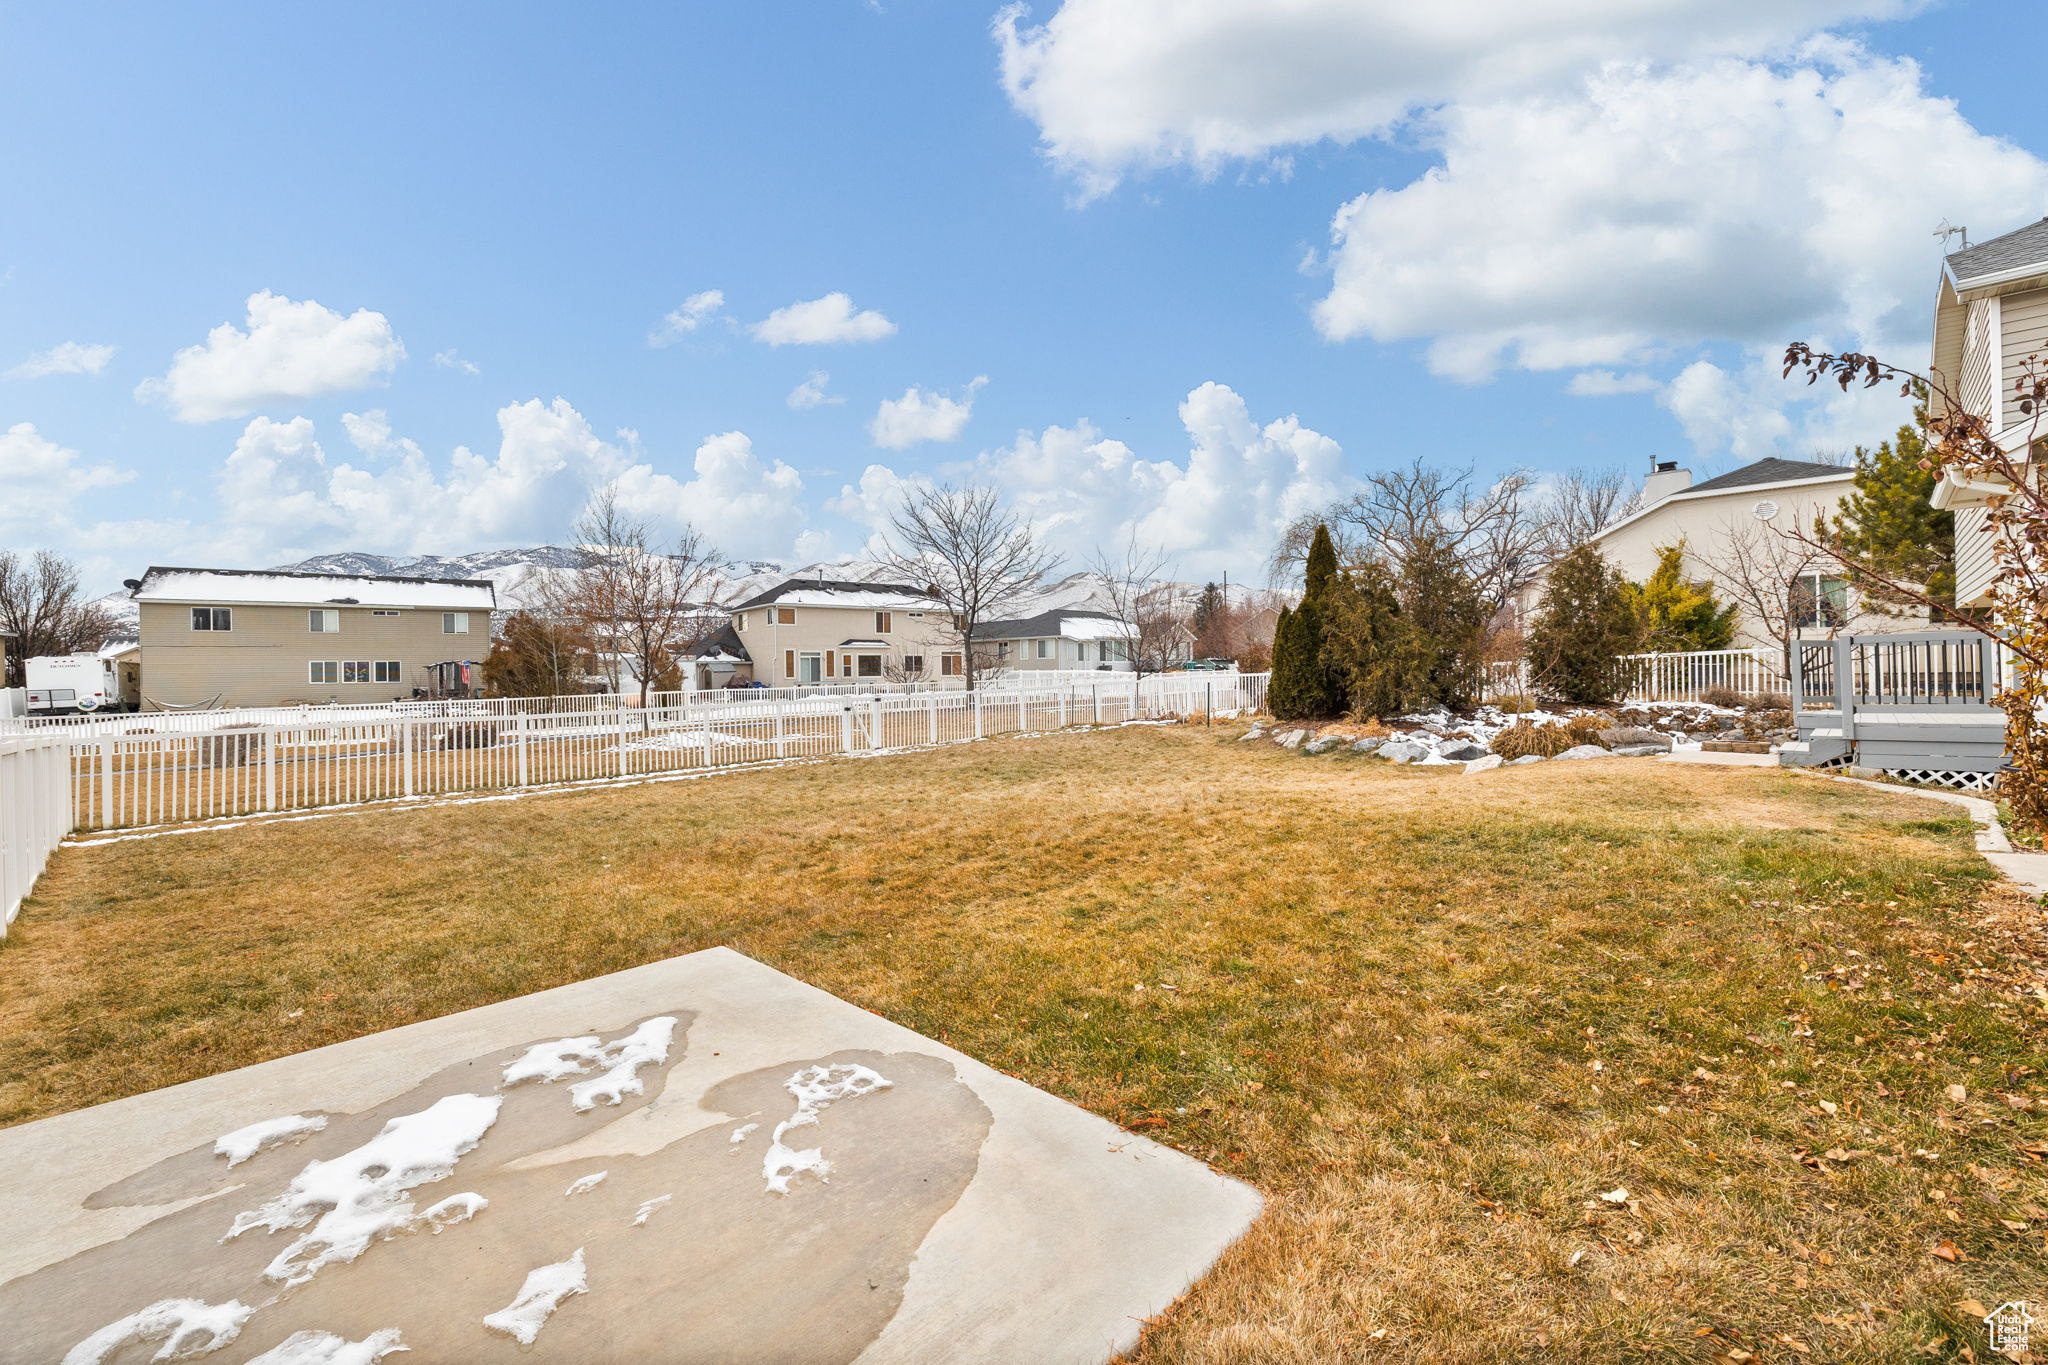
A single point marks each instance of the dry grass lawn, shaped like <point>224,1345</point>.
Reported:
<point>1438,1020</point>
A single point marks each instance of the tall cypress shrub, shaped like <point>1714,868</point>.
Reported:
<point>1307,684</point>
<point>1368,639</point>
<point>1585,622</point>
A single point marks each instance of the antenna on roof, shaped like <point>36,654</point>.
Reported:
<point>1948,230</point>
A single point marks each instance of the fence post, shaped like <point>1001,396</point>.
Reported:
<point>931,716</point>
<point>405,748</point>
<point>875,723</point>
<point>106,784</point>
<point>781,742</point>
<point>705,729</point>
<point>619,768</point>
<point>270,748</point>
<point>977,713</point>
<point>1845,684</point>
<point>1095,701</point>
<point>519,728</point>
<point>1987,660</point>
<point>1208,704</point>
<point>1064,689</point>
<point>846,727</point>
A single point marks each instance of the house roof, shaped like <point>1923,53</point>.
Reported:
<point>1067,625</point>
<point>2017,250</point>
<point>834,592</point>
<point>862,643</point>
<point>1769,470</point>
<point>723,643</point>
<point>290,587</point>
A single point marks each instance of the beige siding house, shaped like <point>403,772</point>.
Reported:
<point>810,631</point>
<point>1069,639</point>
<point>1990,317</point>
<point>231,637</point>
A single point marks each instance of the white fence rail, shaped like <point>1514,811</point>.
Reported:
<point>1683,677</point>
<point>35,812</point>
<point>84,781</point>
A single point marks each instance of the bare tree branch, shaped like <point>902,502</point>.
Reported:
<point>42,607</point>
<point>1136,582</point>
<point>980,560</point>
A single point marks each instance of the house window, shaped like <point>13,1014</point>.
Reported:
<point>1041,649</point>
<point>871,665</point>
<point>846,665</point>
<point>323,672</point>
<point>382,611</point>
<point>949,665</point>
<point>455,623</point>
<point>739,622</point>
<point>785,616</point>
<point>388,671</point>
<point>959,621</point>
<point>913,664</point>
<point>807,668</point>
<point>881,623</point>
<point>355,671</point>
<point>323,620</point>
<point>213,618</point>
<point>1820,600</point>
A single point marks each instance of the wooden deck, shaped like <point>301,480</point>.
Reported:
<point>1915,705</point>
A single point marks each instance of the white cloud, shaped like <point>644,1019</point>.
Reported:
<point>291,351</point>
<point>1606,384</point>
<point>747,506</point>
<point>1222,508</point>
<point>811,393</point>
<point>1748,411</point>
<point>696,310</point>
<point>43,480</point>
<point>1655,208</point>
<point>922,415</point>
<point>820,322</point>
<point>1122,85</point>
<point>448,360</point>
<point>66,357</point>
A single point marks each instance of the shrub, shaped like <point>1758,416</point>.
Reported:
<point>1726,697</point>
<point>1515,704</point>
<point>1525,737</point>
<point>1254,658</point>
<point>1305,686</point>
<point>225,748</point>
<point>1586,729</point>
<point>1768,701</point>
<point>1586,622</point>
<point>475,735</point>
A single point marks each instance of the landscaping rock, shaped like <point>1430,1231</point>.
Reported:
<point>1322,745</point>
<point>1292,739</point>
<point>1404,751</point>
<point>1527,758</point>
<point>1465,751</point>
<point>1367,745</point>
<point>1585,751</point>
<point>1256,732</point>
<point>1628,736</point>
<point>1641,750</point>
<point>1486,764</point>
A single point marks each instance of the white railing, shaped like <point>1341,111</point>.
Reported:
<point>35,812</point>
<point>1683,677</point>
<point>82,781</point>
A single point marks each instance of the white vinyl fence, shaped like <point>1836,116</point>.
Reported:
<point>67,780</point>
<point>35,813</point>
<point>1683,677</point>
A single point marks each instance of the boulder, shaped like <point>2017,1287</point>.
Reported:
<point>1256,732</point>
<point>1628,736</point>
<point>1585,751</point>
<point>1641,750</point>
<point>1527,758</point>
<point>1463,751</point>
<point>1367,745</point>
<point>1321,745</point>
<point>1292,739</point>
<point>1404,751</point>
<point>1486,764</point>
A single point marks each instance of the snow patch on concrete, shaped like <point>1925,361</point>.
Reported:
<point>586,1184</point>
<point>650,1208</point>
<point>325,1348</point>
<point>186,1327</point>
<point>244,1143</point>
<point>621,1059</point>
<point>816,1088</point>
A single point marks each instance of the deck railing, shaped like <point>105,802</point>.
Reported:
<point>1931,669</point>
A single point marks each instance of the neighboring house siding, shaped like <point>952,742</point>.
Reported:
<point>262,660</point>
<point>1974,560</point>
<point>777,648</point>
<point>1979,380</point>
<point>2023,332</point>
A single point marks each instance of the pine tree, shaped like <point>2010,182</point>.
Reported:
<point>1585,623</point>
<point>1208,610</point>
<point>1448,618</point>
<point>1678,614</point>
<point>1367,638</point>
<point>1889,524</point>
<point>1306,685</point>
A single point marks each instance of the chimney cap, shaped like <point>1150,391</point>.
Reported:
<point>1667,466</point>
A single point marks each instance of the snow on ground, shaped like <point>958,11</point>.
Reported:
<point>622,1059</point>
<point>739,1134</point>
<point>815,1088</point>
<point>587,1183</point>
<point>325,1348</point>
<point>359,1197</point>
<point>1433,729</point>
<point>539,1297</point>
<point>244,1143</point>
<point>186,1327</point>
<point>650,1208</point>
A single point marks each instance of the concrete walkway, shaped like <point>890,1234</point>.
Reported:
<point>696,1160</point>
<point>2028,871</point>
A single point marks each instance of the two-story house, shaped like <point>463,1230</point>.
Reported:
<point>1064,639</point>
<point>1990,315</point>
<point>237,637</point>
<point>809,631</point>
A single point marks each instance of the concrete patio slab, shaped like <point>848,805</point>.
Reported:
<point>696,1160</point>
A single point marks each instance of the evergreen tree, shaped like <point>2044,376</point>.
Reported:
<point>1447,617</point>
<point>1366,638</point>
<point>1305,684</point>
<point>1585,622</point>
<point>1889,524</point>
<point>1679,615</point>
<point>1208,610</point>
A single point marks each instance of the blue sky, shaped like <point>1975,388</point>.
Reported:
<point>1579,243</point>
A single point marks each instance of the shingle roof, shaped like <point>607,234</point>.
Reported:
<point>297,587</point>
<point>1771,470</point>
<point>2014,251</point>
<point>883,595</point>
<point>1042,626</point>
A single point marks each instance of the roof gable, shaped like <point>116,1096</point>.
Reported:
<point>2017,250</point>
<point>1768,470</point>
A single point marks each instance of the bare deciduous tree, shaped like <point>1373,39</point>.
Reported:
<point>1151,609</point>
<point>644,603</point>
<point>42,608</point>
<point>1769,574</point>
<point>1581,504</point>
<point>980,560</point>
